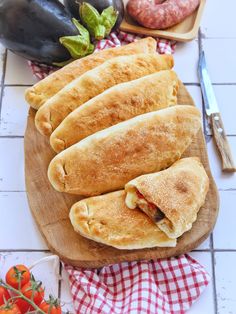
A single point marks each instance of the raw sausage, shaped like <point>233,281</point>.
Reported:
<point>157,14</point>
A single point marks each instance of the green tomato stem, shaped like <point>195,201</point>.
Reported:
<point>21,295</point>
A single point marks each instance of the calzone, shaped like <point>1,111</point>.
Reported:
<point>48,87</point>
<point>118,103</point>
<point>94,82</point>
<point>106,219</point>
<point>108,159</point>
<point>172,197</point>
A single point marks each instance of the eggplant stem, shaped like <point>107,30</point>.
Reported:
<point>99,32</point>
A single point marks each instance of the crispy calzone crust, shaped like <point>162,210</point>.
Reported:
<point>106,219</point>
<point>172,197</point>
<point>37,95</point>
<point>117,104</point>
<point>96,81</point>
<point>108,159</point>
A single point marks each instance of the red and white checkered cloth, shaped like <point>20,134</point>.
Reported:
<point>153,287</point>
<point>115,39</point>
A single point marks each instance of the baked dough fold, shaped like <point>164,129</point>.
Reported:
<point>172,197</point>
<point>117,104</point>
<point>94,82</point>
<point>106,219</point>
<point>108,159</point>
<point>38,94</point>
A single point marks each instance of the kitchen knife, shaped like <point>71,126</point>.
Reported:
<point>213,113</point>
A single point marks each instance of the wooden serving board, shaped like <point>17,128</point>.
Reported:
<point>50,208</point>
<point>184,31</point>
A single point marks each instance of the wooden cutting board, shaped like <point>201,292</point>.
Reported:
<point>50,208</point>
<point>184,31</point>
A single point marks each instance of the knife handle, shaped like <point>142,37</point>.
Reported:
<point>222,143</point>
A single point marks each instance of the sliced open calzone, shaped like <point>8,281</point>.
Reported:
<point>172,197</point>
<point>106,219</point>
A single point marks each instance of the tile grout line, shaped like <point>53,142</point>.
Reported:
<point>18,85</point>
<point>2,80</point>
<point>224,84</point>
<point>12,191</point>
<point>59,281</point>
<point>213,273</point>
<point>11,136</point>
<point>228,135</point>
<point>24,251</point>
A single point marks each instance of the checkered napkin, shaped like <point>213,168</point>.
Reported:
<point>115,39</point>
<point>153,287</point>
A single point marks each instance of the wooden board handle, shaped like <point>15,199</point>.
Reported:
<point>222,143</point>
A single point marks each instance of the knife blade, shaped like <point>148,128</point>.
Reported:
<point>212,111</point>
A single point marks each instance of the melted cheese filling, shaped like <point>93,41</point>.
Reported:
<point>136,199</point>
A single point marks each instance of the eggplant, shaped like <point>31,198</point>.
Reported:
<point>38,30</point>
<point>74,5</point>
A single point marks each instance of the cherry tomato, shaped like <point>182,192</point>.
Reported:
<point>17,276</point>
<point>32,290</point>
<point>4,295</point>
<point>139,194</point>
<point>24,306</point>
<point>51,307</point>
<point>10,309</point>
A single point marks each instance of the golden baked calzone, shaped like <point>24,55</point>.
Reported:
<point>172,197</point>
<point>106,219</point>
<point>38,94</point>
<point>118,103</point>
<point>94,82</point>
<point>108,159</point>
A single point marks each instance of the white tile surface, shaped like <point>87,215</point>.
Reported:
<point>186,59</point>
<point>12,164</point>
<point>223,180</point>
<point>225,95</point>
<point>195,92</point>
<point>226,282</point>
<point>218,19</point>
<point>205,245</point>
<point>66,297</point>
<point>16,205</point>
<point>220,58</point>
<point>18,71</point>
<point>14,111</point>
<point>224,232</point>
<point>205,304</point>
<point>43,272</point>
